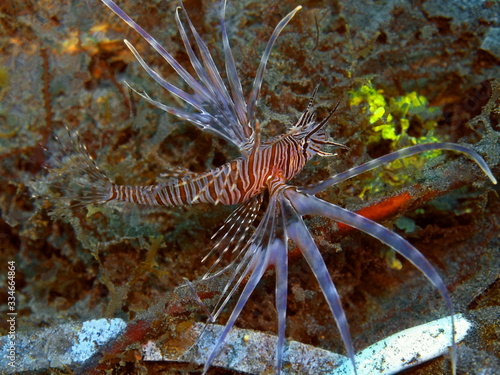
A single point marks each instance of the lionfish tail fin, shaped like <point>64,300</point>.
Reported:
<point>74,178</point>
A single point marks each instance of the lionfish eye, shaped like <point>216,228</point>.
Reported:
<point>305,146</point>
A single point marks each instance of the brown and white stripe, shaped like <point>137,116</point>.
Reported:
<point>232,183</point>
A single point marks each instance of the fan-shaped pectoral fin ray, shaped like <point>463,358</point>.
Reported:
<point>400,154</point>
<point>281,267</point>
<point>279,257</point>
<point>251,255</point>
<point>311,205</point>
<point>298,232</point>
<point>235,228</point>
<point>267,247</point>
<point>259,263</point>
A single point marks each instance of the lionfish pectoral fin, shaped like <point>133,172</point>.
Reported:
<point>311,205</point>
<point>298,232</point>
<point>256,267</point>
<point>267,246</point>
<point>403,153</point>
<point>233,233</point>
<point>280,262</point>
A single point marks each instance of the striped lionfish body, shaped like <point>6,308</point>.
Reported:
<point>273,162</point>
<point>264,168</point>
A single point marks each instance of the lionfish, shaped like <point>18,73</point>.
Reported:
<point>259,175</point>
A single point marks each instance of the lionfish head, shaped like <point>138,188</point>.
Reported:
<point>311,134</point>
